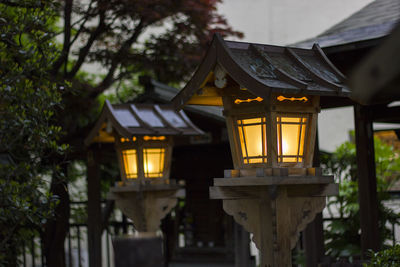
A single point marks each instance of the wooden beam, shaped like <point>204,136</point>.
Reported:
<point>378,75</point>
<point>94,208</point>
<point>273,180</point>
<point>247,192</point>
<point>366,175</point>
<point>313,190</point>
<point>382,113</point>
<point>244,192</point>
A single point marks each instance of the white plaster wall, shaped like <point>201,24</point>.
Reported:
<point>334,126</point>
<point>286,21</point>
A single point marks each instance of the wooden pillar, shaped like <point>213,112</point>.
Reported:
<point>313,235</point>
<point>314,241</point>
<point>368,200</point>
<point>94,208</point>
<point>242,246</point>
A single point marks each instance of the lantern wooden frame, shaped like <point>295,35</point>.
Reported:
<point>139,144</point>
<point>271,109</point>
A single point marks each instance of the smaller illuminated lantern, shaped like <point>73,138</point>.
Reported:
<point>144,157</point>
<point>142,135</point>
<point>143,138</point>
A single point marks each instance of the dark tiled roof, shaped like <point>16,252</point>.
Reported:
<point>263,69</point>
<point>375,20</point>
<point>130,120</point>
<point>284,69</point>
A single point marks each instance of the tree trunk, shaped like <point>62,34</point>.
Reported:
<point>57,228</point>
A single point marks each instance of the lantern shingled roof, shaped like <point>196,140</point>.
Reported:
<point>262,70</point>
<point>130,120</point>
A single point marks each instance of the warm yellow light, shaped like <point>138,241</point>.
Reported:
<point>291,136</point>
<point>282,98</point>
<point>153,160</point>
<point>129,157</point>
<point>285,147</point>
<point>123,140</point>
<point>155,138</point>
<point>238,101</point>
<point>252,135</point>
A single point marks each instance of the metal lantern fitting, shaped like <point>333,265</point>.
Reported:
<point>275,132</point>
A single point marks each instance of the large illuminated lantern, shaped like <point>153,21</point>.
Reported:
<point>270,96</point>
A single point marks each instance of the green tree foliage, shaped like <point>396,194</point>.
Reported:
<point>343,234</point>
<point>386,258</point>
<point>28,136</point>
<point>165,39</point>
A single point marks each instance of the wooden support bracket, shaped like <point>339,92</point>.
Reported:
<point>274,209</point>
<point>145,208</point>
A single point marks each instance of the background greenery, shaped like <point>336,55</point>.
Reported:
<point>29,136</point>
<point>386,258</point>
<point>58,61</point>
<point>342,234</point>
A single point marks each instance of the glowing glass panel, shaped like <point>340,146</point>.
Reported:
<point>291,138</point>
<point>129,157</point>
<point>153,159</point>
<point>253,140</point>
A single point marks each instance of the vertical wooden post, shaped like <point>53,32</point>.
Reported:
<point>266,231</point>
<point>366,174</point>
<point>314,241</point>
<point>94,208</point>
<point>314,233</point>
<point>242,246</point>
<point>282,251</point>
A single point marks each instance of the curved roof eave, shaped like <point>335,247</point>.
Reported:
<point>219,53</point>
<point>129,120</point>
<point>227,61</point>
<point>198,78</point>
<point>107,114</point>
